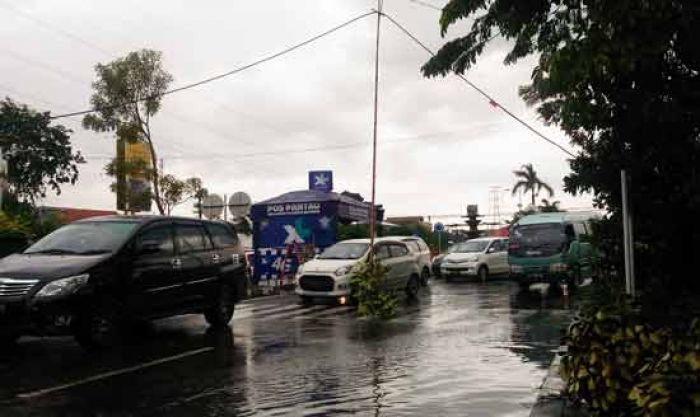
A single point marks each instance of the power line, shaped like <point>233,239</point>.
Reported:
<point>288,151</point>
<point>236,70</point>
<point>492,101</point>
<point>56,29</point>
<point>426,4</point>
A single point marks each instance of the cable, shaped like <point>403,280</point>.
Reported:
<point>288,151</point>
<point>58,30</point>
<point>236,70</point>
<point>492,101</point>
<point>426,4</point>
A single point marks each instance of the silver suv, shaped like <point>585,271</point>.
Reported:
<point>422,253</point>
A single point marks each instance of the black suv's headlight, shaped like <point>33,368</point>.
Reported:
<point>63,286</point>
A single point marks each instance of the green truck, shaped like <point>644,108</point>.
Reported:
<point>553,248</point>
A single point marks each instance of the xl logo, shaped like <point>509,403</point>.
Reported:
<point>297,233</point>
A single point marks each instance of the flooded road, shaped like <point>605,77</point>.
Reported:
<point>465,349</point>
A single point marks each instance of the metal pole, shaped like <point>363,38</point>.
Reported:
<point>439,242</point>
<point>225,209</point>
<point>627,237</point>
<point>373,214</point>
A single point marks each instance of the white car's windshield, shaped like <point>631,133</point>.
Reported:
<point>84,238</point>
<point>345,251</point>
<point>472,246</point>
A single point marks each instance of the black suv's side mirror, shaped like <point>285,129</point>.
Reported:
<point>148,247</point>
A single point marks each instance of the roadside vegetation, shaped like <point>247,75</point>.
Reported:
<point>621,80</point>
<point>370,291</point>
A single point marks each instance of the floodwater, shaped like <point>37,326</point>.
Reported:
<point>464,349</point>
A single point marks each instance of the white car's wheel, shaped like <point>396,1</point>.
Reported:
<point>483,273</point>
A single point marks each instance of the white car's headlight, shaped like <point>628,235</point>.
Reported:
<point>343,270</point>
<point>63,286</point>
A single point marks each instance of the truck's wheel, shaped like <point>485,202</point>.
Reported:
<point>219,315</point>
<point>524,286</point>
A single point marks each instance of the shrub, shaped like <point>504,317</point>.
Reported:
<point>618,364</point>
<point>369,289</point>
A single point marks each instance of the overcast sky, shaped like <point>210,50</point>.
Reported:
<point>442,146</point>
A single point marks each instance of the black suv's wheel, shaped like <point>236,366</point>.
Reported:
<point>413,286</point>
<point>219,315</point>
<point>98,326</point>
<point>8,340</point>
<point>424,277</point>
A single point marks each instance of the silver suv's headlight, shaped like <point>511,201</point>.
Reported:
<point>343,270</point>
<point>63,286</point>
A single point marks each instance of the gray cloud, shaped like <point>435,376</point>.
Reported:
<point>442,145</point>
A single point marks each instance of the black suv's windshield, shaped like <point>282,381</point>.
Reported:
<point>345,251</point>
<point>537,240</point>
<point>470,247</point>
<point>85,238</point>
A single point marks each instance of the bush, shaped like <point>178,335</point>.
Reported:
<point>618,364</point>
<point>369,289</point>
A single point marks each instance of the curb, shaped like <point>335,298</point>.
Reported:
<point>550,399</point>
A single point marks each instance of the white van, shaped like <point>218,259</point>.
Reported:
<point>328,275</point>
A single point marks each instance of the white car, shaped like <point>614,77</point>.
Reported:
<point>328,275</point>
<point>423,257</point>
<point>477,258</point>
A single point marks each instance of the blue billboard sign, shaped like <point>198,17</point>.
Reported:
<point>321,181</point>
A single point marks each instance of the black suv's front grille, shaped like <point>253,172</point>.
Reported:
<point>316,283</point>
<point>16,287</point>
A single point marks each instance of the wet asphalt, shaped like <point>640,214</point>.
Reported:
<point>464,349</point>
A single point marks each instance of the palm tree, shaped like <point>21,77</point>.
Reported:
<point>550,207</point>
<point>528,181</point>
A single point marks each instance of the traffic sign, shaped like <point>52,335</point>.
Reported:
<point>439,227</point>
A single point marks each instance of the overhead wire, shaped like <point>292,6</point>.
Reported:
<point>233,71</point>
<point>491,99</point>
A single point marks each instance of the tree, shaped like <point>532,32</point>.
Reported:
<point>175,192</point>
<point>529,182</point>
<point>39,156</point>
<point>549,207</point>
<point>621,79</point>
<point>127,94</point>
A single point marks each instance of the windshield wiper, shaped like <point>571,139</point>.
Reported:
<point>94,252</point>
<point>54,252</point>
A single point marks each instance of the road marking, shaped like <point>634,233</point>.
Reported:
<point>110,374</point>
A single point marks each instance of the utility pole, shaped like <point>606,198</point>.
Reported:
<point>372,213</point>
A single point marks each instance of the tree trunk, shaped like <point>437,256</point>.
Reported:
<point>533,198</point>
<point>156,187</point>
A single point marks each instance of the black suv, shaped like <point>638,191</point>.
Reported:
<point>94,276</point>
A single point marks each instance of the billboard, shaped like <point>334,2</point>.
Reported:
<point>321,181</point>
<point>133,171</point>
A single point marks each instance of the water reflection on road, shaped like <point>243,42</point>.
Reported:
<point>464,349</point>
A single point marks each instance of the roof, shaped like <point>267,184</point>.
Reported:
<point>143,218</point>
<point>485,239</point>
<point>308,196</point>
<point>70,214</point>
<point>376,240</point>
<point>559,217</point>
